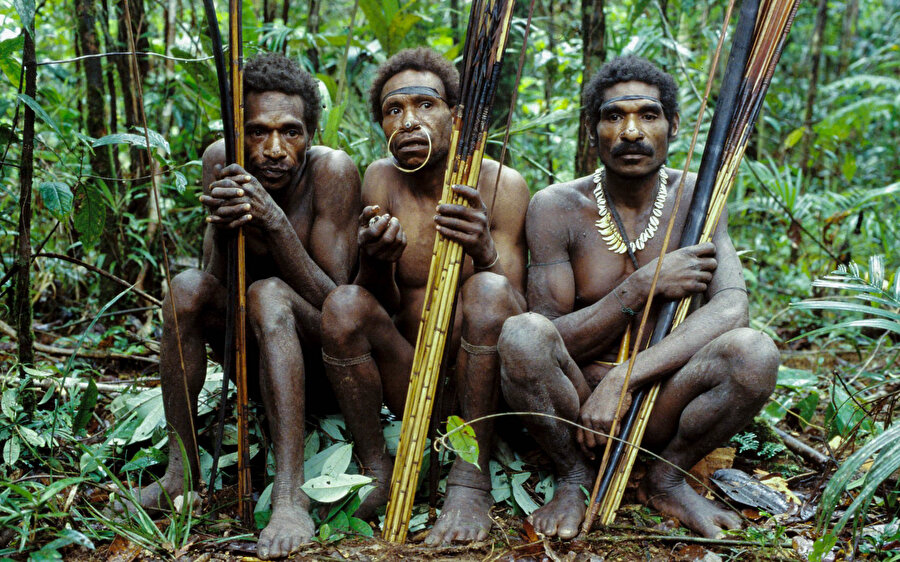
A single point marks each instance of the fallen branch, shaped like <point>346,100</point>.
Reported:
<point>802,448</point>
<point>99,271</point>
<point>52,350</point>
<point>105,387</point>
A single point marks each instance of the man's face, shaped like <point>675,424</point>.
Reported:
<point>408,116</point>
<point>275,138</point>
<point>633,135</point>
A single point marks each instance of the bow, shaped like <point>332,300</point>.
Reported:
<point>235,364</point>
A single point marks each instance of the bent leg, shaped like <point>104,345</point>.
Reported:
<point>487,300</point>
<point>710,399</point>
<point>192,312</point>
<point>280,319</point>
<point>538,375</point>
<point>367,361</point>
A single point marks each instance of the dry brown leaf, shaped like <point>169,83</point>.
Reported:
<point>722,457</point>
<point>122,550</point>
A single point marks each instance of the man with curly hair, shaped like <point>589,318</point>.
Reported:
<point>298,205</point>
<point>594,244</point>
<point>369,328</point>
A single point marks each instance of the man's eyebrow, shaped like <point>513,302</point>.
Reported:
<point>418,91</point>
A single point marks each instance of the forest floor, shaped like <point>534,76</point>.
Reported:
<point>638,533</point>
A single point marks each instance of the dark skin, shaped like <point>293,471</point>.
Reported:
<point>715,372</point>
<point>380,313</point>
<point>297,204</point>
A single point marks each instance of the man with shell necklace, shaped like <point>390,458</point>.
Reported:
<point>369,328</point>
<point>298,205</point>
<point>594,244</point>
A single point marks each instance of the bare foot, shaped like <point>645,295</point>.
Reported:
<point>154,498</point>
<point>464,517</point>
<point>287,530</point>
<point>562,516</point>
<point>671,495</point>
<point>381,472</point>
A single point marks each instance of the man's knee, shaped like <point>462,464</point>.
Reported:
<point>753,360</point>
<point>487,300</point>
<point>269,305</point>
<point>190,291</point>
<point>345,311</point>
<point>525,340</point>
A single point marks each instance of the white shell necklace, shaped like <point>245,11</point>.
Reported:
<point>615,240</point>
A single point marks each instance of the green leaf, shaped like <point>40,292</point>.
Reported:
<point>180,182</point>
<point>57,198</point>
<point>55,488</point>
<point>11,451</point>
<point>360,527</point>
<point>328,489</point>
<point>25,8</point>
<point>10,46</point>
<point>338,462</point>
<point>90,216</point>
<point>39,111</point>
<point>806,408</point>
<point>156,140</point>
<point>340,522</point>
<point>67,537</point>
<point>30,436</point>
<point>794,137</point>
<point>45,555</point>
<point>462,439</point>
<point>9,404</point>
<point>85,407</point>
<point>822,546</point>
<point>523,500</point>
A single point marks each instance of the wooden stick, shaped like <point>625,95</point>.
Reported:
<point>245,488</point>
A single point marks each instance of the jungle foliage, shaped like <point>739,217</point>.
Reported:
<point>814,213</point>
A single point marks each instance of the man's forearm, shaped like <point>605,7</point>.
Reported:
<point>377,276</point>
<point>588,333</point>
<point>296,267</point>
<point>675,350</point>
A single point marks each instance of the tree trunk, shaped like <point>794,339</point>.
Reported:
<point>23,310</point>
<point>312,28</point>
<point>93,74</point>
<point>285,12</point>
<point>454,21</point>
<point>593,32</point>
<point>815,59</point>
<point>549,80</point>
<point>848,35</point>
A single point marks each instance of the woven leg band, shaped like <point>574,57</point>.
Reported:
<point>478,349</point>
<point>348,362</point>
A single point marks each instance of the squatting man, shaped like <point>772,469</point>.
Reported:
<point>594,244</point>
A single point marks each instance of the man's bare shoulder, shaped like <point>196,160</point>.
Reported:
<point>690,180</point>
<point>323,159</point>
<point>511,182</point>
<point>561,197</point>
<point>377,177</point>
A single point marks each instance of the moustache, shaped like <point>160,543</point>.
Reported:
<point>632,148</point>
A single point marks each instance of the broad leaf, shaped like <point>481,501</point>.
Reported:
<point>85,407</point>
<point>156,140</point>
<point>338,462</point>
<point>25,8</point>
<point>90,216</point>
<point>57,198</point>
<point>462,439</point>
<point>39,111</point>
<point>328,489</point>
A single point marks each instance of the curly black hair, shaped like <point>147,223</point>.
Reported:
<point>626,69</point>
<point>421,59</point>
<point>274,72</point>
